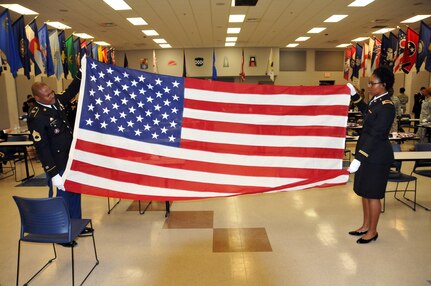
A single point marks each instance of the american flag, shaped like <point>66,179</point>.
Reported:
<point>140,135</point>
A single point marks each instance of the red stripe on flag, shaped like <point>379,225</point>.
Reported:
<point>155,160</point>
<point>265,109</point>
<point>278,130</point>
<point>146,180</point>
<point>302,152</point>
<point>245,88</point>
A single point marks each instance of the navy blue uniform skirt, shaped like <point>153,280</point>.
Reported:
<point>371,180</point>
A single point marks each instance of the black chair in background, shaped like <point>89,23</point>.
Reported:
<point>404,123</point>
<point>12,155</point>
<point>47,220</point>
<point>422,167</point>
<point>396,176</point>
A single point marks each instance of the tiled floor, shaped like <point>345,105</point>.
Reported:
<point>292,238</point>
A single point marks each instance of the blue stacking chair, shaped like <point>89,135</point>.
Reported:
<point>47,220</point>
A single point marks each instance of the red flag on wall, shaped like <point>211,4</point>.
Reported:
<point>411,50</point>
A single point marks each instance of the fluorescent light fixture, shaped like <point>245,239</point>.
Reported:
<point>335,18</point>
<point>19,9</point>
<point>292,45</point>
<point>165,46</point>
<point>150,32</point>
<point>102,43</point>
<point>384,30</point>
<point>83,35</point>
<point>416,18</point>
<point>118,4</point>
<point>236,18</point>
<point>360,39</point>
<point>58,25</point>
<point>302,39</point>
<point>233,30</point>
<point>360,3</point>
<point>160,41</point>
<point>230,44</point>
<point>137,21</point>
<point>343,45</point>
<point>316,30</point>
<point>231,39</point>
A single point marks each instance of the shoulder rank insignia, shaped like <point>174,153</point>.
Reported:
<point>387,102</point>
<point>34,111</point>
<point>36,136</point>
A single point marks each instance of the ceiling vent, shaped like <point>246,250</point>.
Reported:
<point>245,2</point>
<point>108,25</point>
<point>252,20</point>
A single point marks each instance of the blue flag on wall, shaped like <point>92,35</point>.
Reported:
<point>22,44</point>
<point>384,50</point>
<point>214,75</point>
<point>45,48</point>
<point>8,43</point>
<point>423,51</point>
<point>358,60</point>
<point>63,52</point>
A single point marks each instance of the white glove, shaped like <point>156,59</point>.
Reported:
<point>424,121</point>
<point>57,181</point>
<point>354,166</point>
<point>352,89</point>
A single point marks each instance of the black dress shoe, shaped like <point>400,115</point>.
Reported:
<point>364,241</point>
<point>70,244</point>
<point>357,233</point>
<point>86,231</point>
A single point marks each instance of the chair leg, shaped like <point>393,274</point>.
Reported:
<point>95,255</point>
<point>404,196</point>
<point>17,268</point>
<point>416,203</point>
<point>40,270</point>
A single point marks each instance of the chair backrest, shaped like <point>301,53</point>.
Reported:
<point>16,138</point>
<point>43,215</point>
<point>396,164</point>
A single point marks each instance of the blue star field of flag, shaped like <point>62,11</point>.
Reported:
<point>132,104</point>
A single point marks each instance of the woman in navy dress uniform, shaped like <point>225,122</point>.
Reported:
<point>373,154</point>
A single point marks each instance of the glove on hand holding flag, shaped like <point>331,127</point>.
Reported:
<point>140,135</point>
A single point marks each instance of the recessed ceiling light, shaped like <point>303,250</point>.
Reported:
<point>360,39</point>
<point>137,21</point>
<point>102,43</point>
<point>384,30</point>
<point>416,18</point>
<point>316,30</point>
<point>230,44</point>
<point>231,39</point>
<point>19,9</point>
<point>58,25</point>
<point>150,32</point>
<point>302,39</point>
<point>292,45</point>
<point>233,30</point>
<point>360,3</point>
<point>118,4</point>
<point>335,18</point>
<point>165,46</point>
<point>160,41</point>
<point>83,35</point>
<point>343,45</point>
<point>239,18</point>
